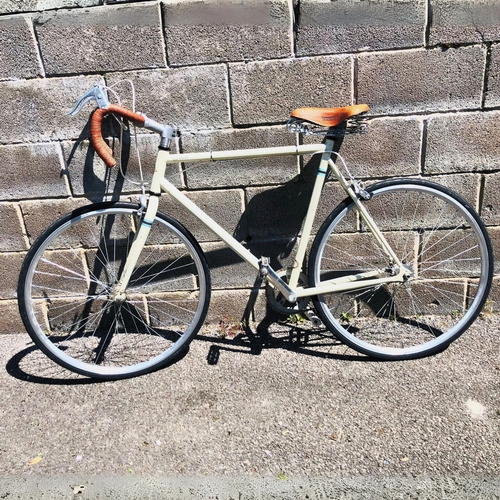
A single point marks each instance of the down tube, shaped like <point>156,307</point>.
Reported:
<point>231,242</point>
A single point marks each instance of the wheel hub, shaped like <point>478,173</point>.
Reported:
<point>117,296</point>
<point>410,272</point>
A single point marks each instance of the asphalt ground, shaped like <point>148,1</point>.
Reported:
<point>284,412</point>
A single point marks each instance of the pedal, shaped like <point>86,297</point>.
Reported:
<point>311,315</point>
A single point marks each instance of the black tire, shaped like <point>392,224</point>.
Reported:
<point>441,241</point>
<point>68,306</point>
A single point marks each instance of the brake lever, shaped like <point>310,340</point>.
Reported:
<point>97,93</point>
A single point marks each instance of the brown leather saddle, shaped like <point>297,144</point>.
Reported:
<point>329,117</point>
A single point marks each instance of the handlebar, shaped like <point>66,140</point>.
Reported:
<point>104,108</point>
<point>96,139</point>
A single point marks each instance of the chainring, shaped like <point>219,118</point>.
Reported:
<point>279,303</point>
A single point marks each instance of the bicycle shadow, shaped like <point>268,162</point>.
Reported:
<point>31,365</point>
<point>275,332</point>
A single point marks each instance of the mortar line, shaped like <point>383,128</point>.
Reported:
<point>428,22</point>
<point>24,231</point>
<point>229,95</point>
<point>423,145</point>
<point>64,168</point>
<point>293,25</point>
<point>487,62</point>
<point>183,171</point>
<point>354,79</point>
<point>71,8</point>
<point>31,26</point>
<point>163,34</point>
<point>480,194</point>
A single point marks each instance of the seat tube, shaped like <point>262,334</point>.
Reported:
<point>311,213</point>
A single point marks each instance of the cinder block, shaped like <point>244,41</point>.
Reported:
<point>101,39</point>
<point>11,236</point>
<point>421,80</point>
<point>188,98</point>
<point>227,311</point>
<point>490,209</point>
<point>463,21</point>
<point>494,233</point>
<point>492,94</point>
<point>226,30</point>
<point>12,6</point>
<point>227,269</point>
<point>31,171</point>
<point>90,177</point>
<point>331,196</point>
<point>378,145</point>
<point>10,265</point>
<point>267,92</point>
<point>38,215</point>
<point>224,207</point>
<point>246,172</point>
<point>37,108</point>
<point>465,185</point>
<point>11,320</point>
<point>279,251</point>
<point>18,57</point>
<point>347,25</point>
<point>389,148</point>
<point>493,303</point>
<point>465,142</point>
<point>277,211</point>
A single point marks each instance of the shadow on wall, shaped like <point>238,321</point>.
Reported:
<point>108,184</point>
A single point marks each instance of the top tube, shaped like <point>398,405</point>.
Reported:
<point>247,153</point>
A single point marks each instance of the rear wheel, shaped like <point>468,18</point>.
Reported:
<point>72,312</point>
<point>445,248</point>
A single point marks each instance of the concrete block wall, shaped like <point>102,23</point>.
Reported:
<point>227,73</point>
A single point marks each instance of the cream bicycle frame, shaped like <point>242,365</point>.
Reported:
<point>291,290</point>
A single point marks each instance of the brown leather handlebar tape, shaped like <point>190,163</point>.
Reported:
<point>96,139</point>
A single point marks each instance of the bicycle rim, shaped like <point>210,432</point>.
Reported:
<point>69,307</point>
<point>445,249</point>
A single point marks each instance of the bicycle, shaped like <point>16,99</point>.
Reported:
<point>398,270</point>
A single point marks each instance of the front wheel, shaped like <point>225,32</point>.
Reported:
<point>445,249</point>
<point>72,312</point>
